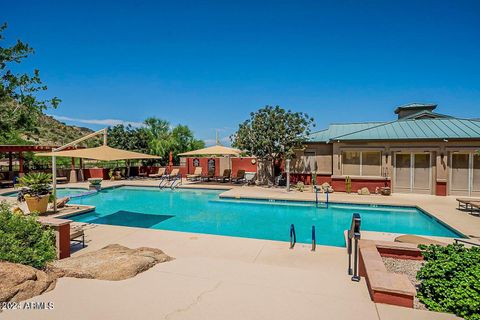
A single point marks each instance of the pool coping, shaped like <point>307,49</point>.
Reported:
<point>444,224</point>
<point>227,188</point>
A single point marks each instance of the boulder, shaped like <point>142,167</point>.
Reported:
<point>20,282</point>
<point>364,191</point>
<point>113,262</point>
<point>326,187</point>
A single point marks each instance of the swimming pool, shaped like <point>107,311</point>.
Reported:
<point>203,211</point>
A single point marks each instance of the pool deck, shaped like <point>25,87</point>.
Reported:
<point>218,277</point>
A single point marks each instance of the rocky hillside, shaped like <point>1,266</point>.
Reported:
<point>53,132</point>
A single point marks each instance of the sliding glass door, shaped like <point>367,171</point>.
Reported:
<point>413,173</point>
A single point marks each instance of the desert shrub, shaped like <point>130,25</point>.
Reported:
<point>23,239</point>
<point>450,280</point>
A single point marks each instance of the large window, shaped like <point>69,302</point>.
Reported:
<point>361,163</point>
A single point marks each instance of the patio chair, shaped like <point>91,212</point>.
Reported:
<point>209,176</point>
<point>468,204</point>
<point>175,173</point>
<point>240,177</point>
<point>61,178</point>
<point>4,181</point>
<point>197,174</point>
<point>77,235</point>
<point>160,173</point>
<point>62,202</point>
<point>224,177</point>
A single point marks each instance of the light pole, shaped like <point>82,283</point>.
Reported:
<point>287,170</point>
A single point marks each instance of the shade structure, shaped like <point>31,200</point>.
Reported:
<point>213,150</point>
<point>103,153</point>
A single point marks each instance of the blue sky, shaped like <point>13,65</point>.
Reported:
<point>208,64</point>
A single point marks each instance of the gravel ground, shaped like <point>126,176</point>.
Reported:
<point>409,268</point>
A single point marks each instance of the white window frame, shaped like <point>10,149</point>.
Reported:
<point>361,161</point>
<point>412,167</point>
<point>471,154</point>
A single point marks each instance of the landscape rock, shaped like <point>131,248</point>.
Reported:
<point>113,262</point>
<point>364,191</point>
<point>326,187</point>
<point>19,282</point>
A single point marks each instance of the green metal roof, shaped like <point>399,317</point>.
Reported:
<point>339,129</point>
<point>417,129</point>
<point>423,125</point>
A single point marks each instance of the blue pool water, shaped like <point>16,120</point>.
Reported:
<point>202,211</point>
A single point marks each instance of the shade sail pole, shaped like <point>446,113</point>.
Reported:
<point>54,182</point>
<point>54,159</point>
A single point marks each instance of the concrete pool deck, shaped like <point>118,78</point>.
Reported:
<point>218,277</point>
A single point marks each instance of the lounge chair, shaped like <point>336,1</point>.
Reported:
<point>62,202</point>
<point>240,177</point>
<point>61,178</point>
<point>224,177</point>
<point>4,181</point>
<point>77,235</point>
<point>197,174</point>
<point>468,204</point>
<point>175,173</point>
<point>209,176</point>
<point>160,173</point>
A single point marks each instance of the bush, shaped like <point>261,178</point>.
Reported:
<point>23,239</point>
<point>451,280</point>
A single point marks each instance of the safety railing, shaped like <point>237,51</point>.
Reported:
<point>467,242</point>
<point>178,179</point>
<point>316,197</point>
<point>293,236</point>
<point>163,183</point>
<point>353,236</point>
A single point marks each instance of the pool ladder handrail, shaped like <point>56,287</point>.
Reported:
<point>163,179</point>
<point>293,237</point>
<point>316,197</point>
<point>177,178</point>
<point>354,234</point>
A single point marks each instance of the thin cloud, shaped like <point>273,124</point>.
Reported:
<point>103,122</point>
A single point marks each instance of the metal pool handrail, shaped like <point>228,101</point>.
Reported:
<point>293,236</point>
<point>354,233</point>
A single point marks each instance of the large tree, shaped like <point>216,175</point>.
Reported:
<point>156,137</point>
<point>272,134</point>
<point>19,104</point>
<point>163,138</point>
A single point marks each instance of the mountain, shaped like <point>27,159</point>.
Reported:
<point>53,132</point>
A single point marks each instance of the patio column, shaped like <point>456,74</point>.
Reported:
<point>10,162</point>
<point>80,171</point>
<point>20,164</point>
<point>73,173</point>
<point>287,170</point>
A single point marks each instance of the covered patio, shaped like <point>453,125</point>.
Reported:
<point>15,155</point>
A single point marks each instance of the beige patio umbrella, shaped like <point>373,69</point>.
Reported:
<point>213,150</point>
<point>103,153</point>
<point>216,150</point>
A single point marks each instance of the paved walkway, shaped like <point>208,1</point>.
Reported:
<point>216,277</point>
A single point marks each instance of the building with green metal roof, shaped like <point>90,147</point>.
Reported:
<point>420,151</point>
